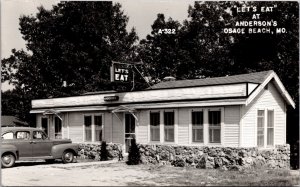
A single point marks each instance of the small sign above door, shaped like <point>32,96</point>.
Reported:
<point>111,98</point>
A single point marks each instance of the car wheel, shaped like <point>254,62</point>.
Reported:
<point>50,161</point>
<point>68,157</point>
<point>8,160</point>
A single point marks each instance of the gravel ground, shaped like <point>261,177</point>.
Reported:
<point>114,173</point>
<point>105,173</point>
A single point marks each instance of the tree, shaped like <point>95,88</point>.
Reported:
<point>104,154</point>
<point>73,43</point>
<point>134,155</point>
<point>161,51</point>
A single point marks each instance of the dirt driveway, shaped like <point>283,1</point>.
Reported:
<point>114,173</point>
<point>108,173</point>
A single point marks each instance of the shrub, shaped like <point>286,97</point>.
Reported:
<point>104,154</point>
<point>134,156</point>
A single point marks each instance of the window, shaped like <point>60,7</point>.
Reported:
<point>98,128</point>
<point>270,128</point>
<point>169,126</point>
<point>23,135</point>
<point>58,128</point>
<point>7,136</point>
<point>197,126</point>
<point>154,126</point>
<point>214,120</point>
<point>88,128</point>
<point>260,127</point>
<point>45,125</point>
<point>39,135</point>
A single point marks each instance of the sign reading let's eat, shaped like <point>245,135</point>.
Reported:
<point>120,73</point>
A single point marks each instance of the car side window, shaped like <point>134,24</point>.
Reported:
<point>23,135</point>
<point>7,136</point>
<point>39,135</point>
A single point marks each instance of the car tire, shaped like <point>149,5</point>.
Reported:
<point>8,160</point>
<point>50,161</point>
<point>68,157</point>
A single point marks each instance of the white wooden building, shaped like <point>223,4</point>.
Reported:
<point>245,110</point>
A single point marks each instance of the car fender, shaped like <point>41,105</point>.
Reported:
<point>58,150</point>
<point>8,148</point>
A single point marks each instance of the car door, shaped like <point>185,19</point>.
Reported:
<point>23,143</point>
<point>41,144</point>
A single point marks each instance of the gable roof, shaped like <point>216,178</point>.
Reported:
<point>257,77</point>
<point>10,121</point>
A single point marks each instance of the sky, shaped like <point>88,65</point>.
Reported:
<point>142,14</point>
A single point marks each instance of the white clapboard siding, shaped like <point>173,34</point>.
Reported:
<point>231,126</point>
<point>142,127</point>
<point>267,99</point>
<point>118,134</point>
<point>76,120</point>
<point>108,121</point>
<point>217,91</point>
<point>183,125</point>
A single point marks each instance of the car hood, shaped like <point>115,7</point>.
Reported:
<point>61,141</point>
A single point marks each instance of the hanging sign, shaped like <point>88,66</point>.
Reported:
<point>119,72</point>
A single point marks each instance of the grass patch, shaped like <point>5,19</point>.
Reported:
<point>169,175</point>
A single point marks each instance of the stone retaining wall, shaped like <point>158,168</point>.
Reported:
<point>216,157</point>
<point>92,151</point>
<point>200,156</point>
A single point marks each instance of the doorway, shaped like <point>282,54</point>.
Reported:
<point>129,130</point>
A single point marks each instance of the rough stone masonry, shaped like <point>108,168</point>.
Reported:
<point>227,158</point>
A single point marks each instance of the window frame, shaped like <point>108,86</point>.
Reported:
<point>261,128</point>
<point>273,127</point>
<point>220,127</point>
<point>93,127</point>
<point>16,137</point>
<point>265,128</point>
<point>169,127</point>
<point>153,127</point>
<point>197,127</point>
<point>13,135</point>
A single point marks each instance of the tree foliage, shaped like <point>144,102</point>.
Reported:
<point>200,48</point>
<point>134,155</point>
<point>73,42</point>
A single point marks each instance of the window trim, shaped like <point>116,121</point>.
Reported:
<point>265,127</point>
<point>169,126</point>
<point>205,111</point>
<point>158,127</point>
<point>222,118</point>
<point>93,127</point>
<point>192,126</point>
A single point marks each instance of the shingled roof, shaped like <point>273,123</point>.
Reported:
<point>257,77</point>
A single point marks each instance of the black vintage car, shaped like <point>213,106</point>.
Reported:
<point>26,143</point>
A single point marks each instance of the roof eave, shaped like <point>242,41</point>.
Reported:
<point>281,89</point>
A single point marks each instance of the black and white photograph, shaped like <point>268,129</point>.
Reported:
<point>149,93</point>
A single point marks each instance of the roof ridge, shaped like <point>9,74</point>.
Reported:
<point>258,72</point>
<point>255,77</point>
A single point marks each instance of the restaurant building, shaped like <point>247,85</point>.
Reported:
<point>247,110</point>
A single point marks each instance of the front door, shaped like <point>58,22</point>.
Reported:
<point>57,128</point>
<point>129,130</point>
